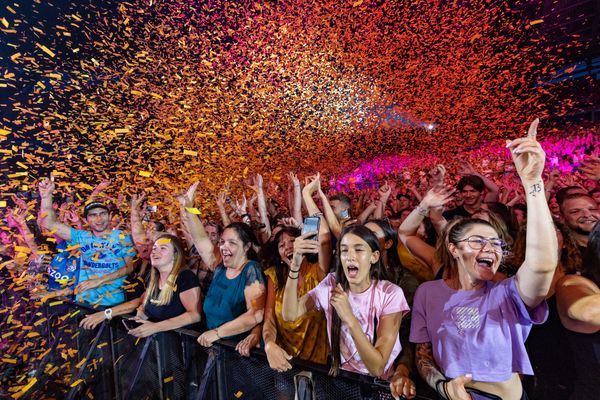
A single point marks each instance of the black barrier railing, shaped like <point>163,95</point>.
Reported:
<point>108,363</point>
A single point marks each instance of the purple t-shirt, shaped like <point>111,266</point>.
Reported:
<point>380,299</point>
<point>481,332</point>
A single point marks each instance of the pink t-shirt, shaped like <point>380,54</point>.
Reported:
<point>381,299</point>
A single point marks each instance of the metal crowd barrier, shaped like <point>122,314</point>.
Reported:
<point>107,363</point>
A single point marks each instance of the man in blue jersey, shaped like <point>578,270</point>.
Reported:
<point>106,254</point>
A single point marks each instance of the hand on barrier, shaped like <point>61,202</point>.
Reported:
<point>244,346</point>
<point>208,338</point>
<point>92,320</point>
<point>277,357</point>
<point>145,329</point>
<point>401,385</point>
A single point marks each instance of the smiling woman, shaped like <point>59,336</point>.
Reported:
<point>171,300</point>
<point>470,331</point>
<point>234,305</point>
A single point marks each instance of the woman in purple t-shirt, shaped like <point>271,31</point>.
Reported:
<point>363,312</point>
<point>470,331</point>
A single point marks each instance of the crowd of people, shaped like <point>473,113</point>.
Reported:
<point>461,286</point>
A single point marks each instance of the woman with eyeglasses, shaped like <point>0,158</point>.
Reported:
<point>470,331</point>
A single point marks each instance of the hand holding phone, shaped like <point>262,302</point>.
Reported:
<point>130,324</point>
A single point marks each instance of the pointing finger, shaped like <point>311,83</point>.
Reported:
<point>532,132</point>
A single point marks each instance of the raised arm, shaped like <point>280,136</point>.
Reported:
<point>49,220</point>
<point>195,228</point>
<point>368,211</point>
<point>435,198</point>
<point>541,252</point>
<point>294,307</point>
<point>332,220</point>
<point>296,206</point>
<point>257,186</point>
<point>18,220</point>
<point>221,200</point>
<point>384,194</point>
<point>140,239</point>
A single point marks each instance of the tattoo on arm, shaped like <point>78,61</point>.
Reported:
<point>426,365</point>
<point>535,188</point>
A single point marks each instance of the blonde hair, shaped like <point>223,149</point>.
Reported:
<point>165,294</point>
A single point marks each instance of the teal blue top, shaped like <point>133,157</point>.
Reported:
<point>225,300</point>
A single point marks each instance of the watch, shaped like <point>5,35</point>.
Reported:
<point>108,313</point>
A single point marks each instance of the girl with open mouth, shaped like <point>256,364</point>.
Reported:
<point>363,312</point>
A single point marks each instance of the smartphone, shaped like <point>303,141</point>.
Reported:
<point>311,224</point>
<point>130,324</point>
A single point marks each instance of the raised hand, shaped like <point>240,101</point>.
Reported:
<point>255,183</point>
<point>187,199</point>
<point>312,183</point>
<point>137,201</point>
<point>437,196</point>
<point>466,168</point>
<point>528,155</point>
<point>384,192</point>
<point>303,246</point>
<point>222,198</point>
<point>294,179</point>
<point>591,167</point>
<point>46,187</point>
<point>242,205</point>
<point>438,175</point>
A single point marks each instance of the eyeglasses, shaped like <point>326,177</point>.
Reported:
<point>479,242</point>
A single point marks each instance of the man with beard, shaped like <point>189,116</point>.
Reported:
<point>106,254</point>
<point>579,212</point>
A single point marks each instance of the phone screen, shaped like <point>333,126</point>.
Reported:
<point>311,224</point>
<point>130,324</point>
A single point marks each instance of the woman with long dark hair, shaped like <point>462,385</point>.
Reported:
<point>235,301</point>
<point>306,337</point>
<point>363,312</point>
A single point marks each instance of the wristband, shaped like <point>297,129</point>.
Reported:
<point>108,314</point>
<point>217,333</point>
